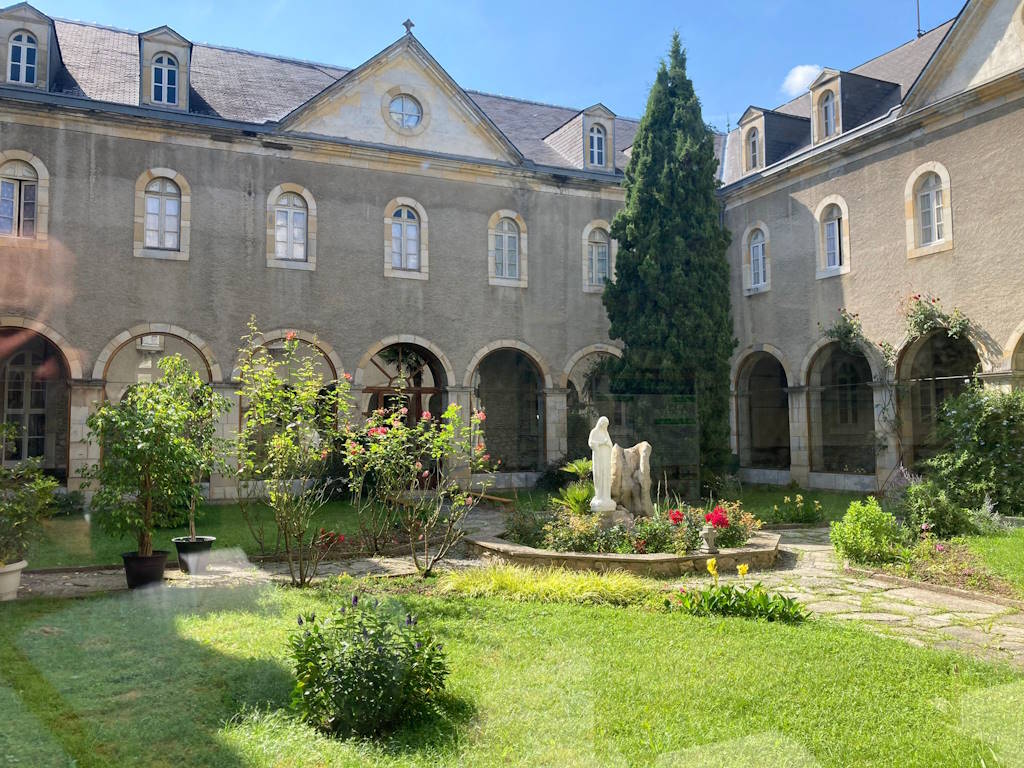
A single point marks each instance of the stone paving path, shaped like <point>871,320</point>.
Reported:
<point>808,571</point>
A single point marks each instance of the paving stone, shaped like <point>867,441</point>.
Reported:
<point>943,600</point>
<point>883,618</point>
<point>833,606</point>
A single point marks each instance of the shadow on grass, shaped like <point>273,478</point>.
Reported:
<point>437,729</point>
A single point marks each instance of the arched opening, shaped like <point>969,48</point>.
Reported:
<point>934,370</point>
<point>507,385</point>
<point>135,362</point>
<point>589,398</point>
<point>763,413</point>
<point>406,371</point>
<point>842,412</point>
<point>35,398</point>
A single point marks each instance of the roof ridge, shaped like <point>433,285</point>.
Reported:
<point>522,100</point>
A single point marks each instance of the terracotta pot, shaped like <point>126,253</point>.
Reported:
<point>10,579</point>
<point>194,556</point>
<point>141,571</point>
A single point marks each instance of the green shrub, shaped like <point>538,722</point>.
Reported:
<point>547,585</point>
<point>574,498</point>
<point>867,533</point>
<point>929,509</point>
<point>526,524</point>
<point>26,499</point>
<point>363,671</point>
<point>68,503</point>
<point>983,431</point>
<point>734,600</point>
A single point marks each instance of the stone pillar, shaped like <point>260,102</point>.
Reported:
<point>81,453</point>
<point>556,425</point>
<point>742,426</point>
<point>223,487</point>
<point>887,453</point>
<point>799,436</point>
<point>463,397</point>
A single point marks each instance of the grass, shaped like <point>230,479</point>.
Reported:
<point>200,678</point>
<point>761,500</point>
<point>74,540</point>
<point>1003,555</point>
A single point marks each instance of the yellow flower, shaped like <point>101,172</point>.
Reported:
<point>799,499</point>
<point>785,499</point>
<point>742,569</point>
<point>712,566</point>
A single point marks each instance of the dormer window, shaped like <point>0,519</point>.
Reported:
<point>21,55</point>
<point>753,156</point>
<point>165,79</point>
<point>596,145</point>
<point>828,115</point>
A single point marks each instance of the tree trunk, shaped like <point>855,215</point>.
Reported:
<point>146,533</point>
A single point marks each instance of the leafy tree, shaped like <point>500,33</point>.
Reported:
<point>669,302</point>
<point>156,442</point>
<point>293,420</point>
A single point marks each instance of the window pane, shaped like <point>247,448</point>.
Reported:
<point>30,57</point>
<point>15,391</point>
<point>171,206</point>
<point>172,78</point>
<point>16,72</point>
<point>28,192</point>
<point>158,93</point>
<point>410,215</point>
<point>171,240</point>
<point>36,446</point>
<point>280,249</point>
<point>299,251</point>
<point>16,54</point>
<point>152,204</point>
<point>172,94</point>
<point>153,221</point>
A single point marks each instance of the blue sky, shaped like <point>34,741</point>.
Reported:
<point>567,52</point>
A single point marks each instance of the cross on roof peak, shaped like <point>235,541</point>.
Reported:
<point>408,26</point>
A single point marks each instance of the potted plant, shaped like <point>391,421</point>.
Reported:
<point>204,408</point>
<point>26,498</point>
<point>146,475</point>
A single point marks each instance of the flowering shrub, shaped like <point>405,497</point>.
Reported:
<point>924,314</point>
<point>867,533</point>
<point>717,518</point>
<point>796,510</point>
<point>409,474</point>
<point>733,600</point>
<point>363,670</point>
<point>737,526</point>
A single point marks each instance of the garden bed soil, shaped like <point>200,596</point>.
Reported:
<point>758,553</point>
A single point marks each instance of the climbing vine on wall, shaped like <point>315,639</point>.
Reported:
<point>924,314</point>
<point>848,332</point>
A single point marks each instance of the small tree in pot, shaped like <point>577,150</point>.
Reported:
<point>203,408</point>
<point>146,477</point>
<point>26,498</point>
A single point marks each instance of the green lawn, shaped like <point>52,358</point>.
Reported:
<point>199,678</point>
<point>74,540</point>
<point>761,500</point>
<point>1004,555</point>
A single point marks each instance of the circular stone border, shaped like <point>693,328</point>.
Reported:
<point>760,552</point>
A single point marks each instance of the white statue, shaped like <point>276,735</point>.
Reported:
<point>601,445</point>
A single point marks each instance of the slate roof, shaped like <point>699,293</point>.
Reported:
<point>901,66</point>
<point>102,63</point>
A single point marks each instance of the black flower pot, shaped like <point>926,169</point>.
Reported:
<point>140,571</point>
<point>194,556</point>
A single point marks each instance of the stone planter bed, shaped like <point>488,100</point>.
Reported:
<point>759,553</point>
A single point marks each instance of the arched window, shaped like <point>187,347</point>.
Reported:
<point>18,189</point>
<point>832,231</point>
<point>165,79</point>
<point>598,268</point>
<point>930,210</point>
<point>405,239</point>
<point>753,155</point>
<point>163,214</point>
<point>758,263</point>
<point>21,58</point>
<point>596,145</point>
<point>506,249</point>
<point>290,227</point>
<point>828,114</point>
<point>25,406</point>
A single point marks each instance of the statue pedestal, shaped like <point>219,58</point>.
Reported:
<point>602,505</point>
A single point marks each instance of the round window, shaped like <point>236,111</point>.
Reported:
<point>406,111</point>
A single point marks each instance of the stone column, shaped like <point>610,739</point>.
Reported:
<point>222,487</point>
<point>799,436</point>
<point>463,397</point>
<point>887,454</point>
<point>556,425</point>
<point>81,453</point>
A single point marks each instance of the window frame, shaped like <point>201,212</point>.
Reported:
<point>162,197</point>
<point>408,219</point>
<point>753,149</point>
<point>828,115</point>
<point>406,98</point>
<point>496,235</point>
<point>140,249</point>
<point>19,187</point>
<point>833,222</point>
<point>390,221</point>
<point>758,260</point>
<point>597,232</point>
<point>599,239</point>
<point>928,188</point>
<point>597,145</point>
<point>166,64</point>
<point>30,44</point>
<point>273,205</point>
<point>832,209</point>
<point>291,205</point>
<point>506,239</point>
<point>930,201</point>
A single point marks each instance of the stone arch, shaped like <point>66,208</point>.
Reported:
<point>878,371</point>
<point>213,370</point>
<point>578,355</point>
<point>741,359</point>
<point>526,349</point>
<point>761,382</point>
<point>72,359</point>
<point>404,338</point>
<point>310,338</point>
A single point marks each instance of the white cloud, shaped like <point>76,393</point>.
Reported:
<point>799,77</point>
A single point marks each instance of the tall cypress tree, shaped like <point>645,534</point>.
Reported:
<point>669,302</point>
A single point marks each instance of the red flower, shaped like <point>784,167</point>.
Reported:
<point>675,516</point>
<point>347,376</point>
<point>717,517</point>
<point>403,410</point>
<point>481,416</point>
<point>290,336</point>
<point>425,415</point>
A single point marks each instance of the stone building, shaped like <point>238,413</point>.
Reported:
<point>155,194</point>
<point>899,177</point>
